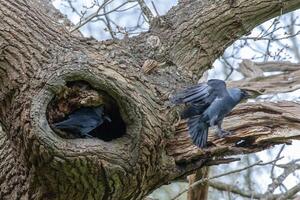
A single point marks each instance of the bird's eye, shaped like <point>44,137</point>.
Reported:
<point>80,111</point>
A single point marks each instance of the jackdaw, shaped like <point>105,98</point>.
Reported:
<point>207,105</point>
<point>82,121</point>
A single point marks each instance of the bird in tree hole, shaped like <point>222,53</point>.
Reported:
<point>207,105</point>
<point>80,111</point>
<point>83,121</point>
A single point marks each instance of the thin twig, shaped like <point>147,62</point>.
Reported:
<point>288,169</point>
<point>270,38</point>
<point>273,166</point>
<point>231,68</point>
<point>225,187</point>
<point>90,17</point>
<point>258,163</point>
<point>108,25</point>
<point>146,11</point>
<point>155,9</point>
<point>290,193</point>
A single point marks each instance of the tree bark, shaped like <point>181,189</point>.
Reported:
<point>199,192</point>
<point>38,56</point>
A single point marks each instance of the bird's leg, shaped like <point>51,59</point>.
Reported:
<point>220,132</point>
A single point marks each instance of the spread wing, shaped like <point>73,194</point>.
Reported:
<point>200,94</point>
<point>199,97</point>
<point>198,131</point>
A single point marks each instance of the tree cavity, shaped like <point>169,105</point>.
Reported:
<point>71,111</point>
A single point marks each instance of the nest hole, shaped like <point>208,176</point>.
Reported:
<point>80,111</point>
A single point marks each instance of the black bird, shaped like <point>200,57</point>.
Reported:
<point>207,105</point>
<point>82,121</point>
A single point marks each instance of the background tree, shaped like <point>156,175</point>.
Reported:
<point>42,56</point>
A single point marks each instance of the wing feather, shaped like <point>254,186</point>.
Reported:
<point>198,131</point>
<point>202,93</point>
<point>190,94</point>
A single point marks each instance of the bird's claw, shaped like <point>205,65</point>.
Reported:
<point>223,133</point>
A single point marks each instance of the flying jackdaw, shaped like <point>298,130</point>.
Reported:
<point>207,105</point>
<point>82,121</point>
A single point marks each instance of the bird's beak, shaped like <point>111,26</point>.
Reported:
<point>246,95</point>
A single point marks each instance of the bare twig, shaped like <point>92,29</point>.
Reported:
<point>288,169</point>
<point>248,174</point>
<point>225,187</point>
<point>109,28</point>
<point>273,165</point>
<point>270,38</point>
<point>294,40</point>
<point>97,14</point>
<point>146,11</point>
<point>90,17</point>
<point>155,9</point>
<point>258,163</point>
<point>276,182</point>
<point>227,64</point>
<point>290,193</point>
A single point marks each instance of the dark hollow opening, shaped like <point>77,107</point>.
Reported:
<point>79,111</point>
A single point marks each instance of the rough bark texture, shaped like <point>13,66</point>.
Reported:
<point>199,192</point>
<point>38,56</point>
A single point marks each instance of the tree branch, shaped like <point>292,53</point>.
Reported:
<point>194,33</point>
<point>290,193</point>
<point>262,125</point>
<point>288,81</point>
<point>288,169</point>
<point>40,57</point>
<point>233,189</point>
<point>146,11</point>
<point>258,163</point>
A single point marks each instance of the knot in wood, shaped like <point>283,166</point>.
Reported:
<point>149,65</point>
<point>153,41</point>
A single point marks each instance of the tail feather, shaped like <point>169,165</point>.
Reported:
<point>198,131</point>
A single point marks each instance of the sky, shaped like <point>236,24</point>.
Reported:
<point>127,18</point>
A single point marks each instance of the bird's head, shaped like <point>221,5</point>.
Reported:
<point>238,94</point>
<point>244,94</point>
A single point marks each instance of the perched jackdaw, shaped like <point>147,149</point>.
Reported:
<point>207,105</point>
<point>82,121</point>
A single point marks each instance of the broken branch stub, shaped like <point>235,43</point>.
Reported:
<point>255,126</point>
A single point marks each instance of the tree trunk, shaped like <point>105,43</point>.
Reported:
<point>38,57</point>
<point>199,192</point>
